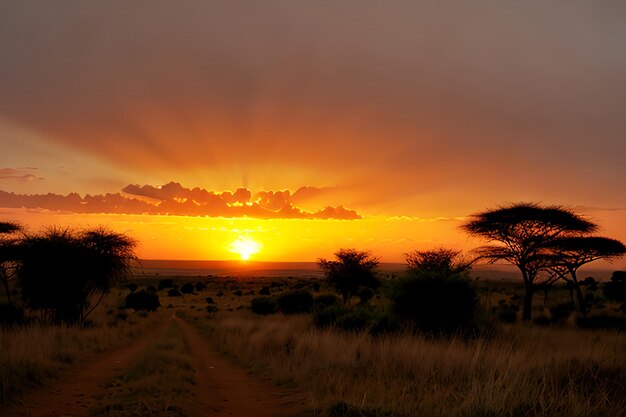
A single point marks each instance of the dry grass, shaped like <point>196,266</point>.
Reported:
<point>159,383</point>
<point>33,354</point>
<point>524,371</point>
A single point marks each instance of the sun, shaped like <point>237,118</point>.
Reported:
<point>245,247</point>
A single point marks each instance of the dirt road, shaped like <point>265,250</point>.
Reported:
<point>222,388</point>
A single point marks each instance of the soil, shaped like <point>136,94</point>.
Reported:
<point>223,389</point>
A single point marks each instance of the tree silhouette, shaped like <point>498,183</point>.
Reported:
<point>351,270</point>
<point>65,273</point>
<point>522,231</point>
<point>571,252</point>
<point>7,254</point>
<point>441,261</point>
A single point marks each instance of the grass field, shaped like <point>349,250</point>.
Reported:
<point>518,369</point>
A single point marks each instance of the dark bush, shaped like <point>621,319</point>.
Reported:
<point>132,287</point>
<point>507,313</point>
<point>166,283</point>
<point>326,316</point>
<point>238,293</point>
<point>187,288</point>
<point>295,302</point>
<point>201,286</point>
<point>151,288</point>
<point>365,295</point>
<point>11,315</point>
<point>542,321</point>
<point>325,300</point>
<point>435,303</point>
<point>264,291</point>
<point>211,308</point>
<point>263,305</point>
<point>385,323</point>
<point>561,312</point>
<point>355,319</point>
<point>220,294</point>
<point>209,300</point>
<point>143,301</point>
<point>615,289</point>
<point>173,293</point>
<point>602,322</point>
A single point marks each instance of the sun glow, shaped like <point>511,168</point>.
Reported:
<point>244,247</point>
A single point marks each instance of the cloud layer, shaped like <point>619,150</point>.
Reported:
<point>174,199</point>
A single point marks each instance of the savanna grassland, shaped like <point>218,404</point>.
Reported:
<point>360,362</point>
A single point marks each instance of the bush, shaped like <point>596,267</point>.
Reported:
<point>166,283</point>
<point>325,300</point>
<point>132,287</point>
<point>355,319</point>
<point>615,289</point>
<point>365,295</point>
<point>187,288</point>
<point>201,286</point>
<point>294,302</point>
<point>326,316</point>
<point>263,305</point>
<point>264,291</point>
<point>435,303</point>
<point>602,322</point>
<point>507,313</point>
<point>142,301</point>
<point>174,293</point>
<point>209,300</point>
<point>561,312</point>
<point>11,315</point>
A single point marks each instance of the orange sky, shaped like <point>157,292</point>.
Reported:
<point>419,112</point>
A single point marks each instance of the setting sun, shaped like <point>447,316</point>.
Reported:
<point>245,247</point>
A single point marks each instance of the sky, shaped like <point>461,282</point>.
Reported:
<point>372,124</point>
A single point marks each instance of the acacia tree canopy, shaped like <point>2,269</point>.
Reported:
<point>350,270</point>
<point>519,233</point>
<point>65,273</point>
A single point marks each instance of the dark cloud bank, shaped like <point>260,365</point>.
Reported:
<point>174,199</point>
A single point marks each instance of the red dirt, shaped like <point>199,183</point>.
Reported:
<point>222,389</point>
<point>78,385</point>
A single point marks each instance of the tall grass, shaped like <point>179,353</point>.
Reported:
<point>30,355</point>
<point>159,383</point>
<point>523,371</point>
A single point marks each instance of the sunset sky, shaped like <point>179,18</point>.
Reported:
<point>387,122</point>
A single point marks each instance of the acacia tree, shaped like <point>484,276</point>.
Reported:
<point>7,254</point>
<point>441,260</point>
<point>569,253</point>
<point>351,270</point>
<point>65,273</point>
<point>520,233</point>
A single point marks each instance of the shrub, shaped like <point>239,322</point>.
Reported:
<point>264,291</point>
<point>561,312</point>
<point>355,319</point>
<point>11,315</point>
<point>166,283</point>
<point>507,313</point>
<point>263,305</point>
<point>385,323</point>
<point>602,322</point>
<point>326,316</point>
<point>435,303</point>
<point>142,301</point>
<point>209,300</point>
<point>132,287</point>
<point>200,286</point>
<point>365,295</point>
<point>187,288</point>
<point>325,300</point>
<point>295,302</point>
<point>615,289</point>
<point>151,288</point>
<point>238,293</point>
<point>173,293</point>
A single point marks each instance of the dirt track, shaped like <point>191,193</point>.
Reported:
<point>222,388</point>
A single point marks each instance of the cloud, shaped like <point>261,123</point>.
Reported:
<point>174,199</point>
<point>19,174</point>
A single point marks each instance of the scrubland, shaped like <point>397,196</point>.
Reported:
<point>514,369</point>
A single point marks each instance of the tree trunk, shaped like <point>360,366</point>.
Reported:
<point>528,296</point>
<point>582,305</point>
<point>5,282</point>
